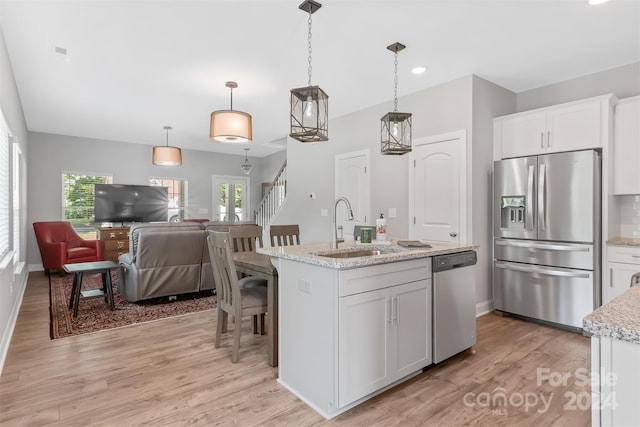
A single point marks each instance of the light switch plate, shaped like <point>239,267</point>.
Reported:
<point>392,213</point>
<point>324,212</point>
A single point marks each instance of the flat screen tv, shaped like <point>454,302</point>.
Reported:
<point>130,203</point>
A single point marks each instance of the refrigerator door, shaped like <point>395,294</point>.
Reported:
<point>559,295</point>
<point>514,189</point>
<point>559,254</point>
<point>568,194</point>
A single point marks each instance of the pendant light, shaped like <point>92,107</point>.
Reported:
<point>310,104</point>
<point>165,155</point>
<point>230,125</point>
<point>395,127</point>
<point>246,168</point>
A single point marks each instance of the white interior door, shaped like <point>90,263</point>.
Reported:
<point>352,182</point>
<point>438,188</point>
<point>230,197</point>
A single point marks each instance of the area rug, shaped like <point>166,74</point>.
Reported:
<point>94,314</point>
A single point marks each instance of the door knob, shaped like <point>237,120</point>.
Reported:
<point>453,234</point>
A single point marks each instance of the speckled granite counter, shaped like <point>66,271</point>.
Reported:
<point>619,319</point>
<point>312,254</point>
<point>624,241</point>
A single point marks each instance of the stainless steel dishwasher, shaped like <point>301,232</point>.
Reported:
<point>454,304</point>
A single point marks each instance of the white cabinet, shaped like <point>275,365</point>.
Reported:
<point>383,337</point>
<point>615,370</point>
<point>623,262</point>
<point>626,147</point>
<point>572,126</point>
<point>345,335</point>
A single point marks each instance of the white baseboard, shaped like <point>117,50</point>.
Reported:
<point>484,307</point>
<point>36,267</point>
<point>21,282</point>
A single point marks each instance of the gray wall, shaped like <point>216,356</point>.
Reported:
<point>622,81</point>
<point>51,154</point>
<point>12,282</point>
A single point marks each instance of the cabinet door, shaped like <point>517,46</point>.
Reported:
<point>523,134</point>
<point>573,127</point>
<point>626,149</point>
<point>619,280</point>
<point>411,316</point>
<point>363,340</point>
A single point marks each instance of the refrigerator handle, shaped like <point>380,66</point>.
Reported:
<point>529,222</point>
<point>541,195</point>
<point>540,270</point>
<point>572,247</point>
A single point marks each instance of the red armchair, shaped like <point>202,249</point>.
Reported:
<point>59,244</point>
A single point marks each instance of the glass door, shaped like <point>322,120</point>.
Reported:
<point>231,198</point>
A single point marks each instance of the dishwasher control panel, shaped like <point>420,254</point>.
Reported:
<point>456,260</point>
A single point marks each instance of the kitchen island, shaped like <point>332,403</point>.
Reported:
<point>353,321</point>
<point>615,360</point>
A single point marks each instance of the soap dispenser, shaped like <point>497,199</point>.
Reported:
<point>381,229</point>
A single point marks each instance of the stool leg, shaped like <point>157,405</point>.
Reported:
<point>77,295</point>
<point>72,297</point>
<point>109,290</point>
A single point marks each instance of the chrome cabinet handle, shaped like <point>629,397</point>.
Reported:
<point>548,138</point>
<point>541,139</point>
<point>453,234</point>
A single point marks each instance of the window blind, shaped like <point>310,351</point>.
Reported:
<point>5,188</point>
<point>16,201</point>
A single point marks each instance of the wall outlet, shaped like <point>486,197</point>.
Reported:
<point>324,212</point>
<point>304,286</point>
<point>392,213</point>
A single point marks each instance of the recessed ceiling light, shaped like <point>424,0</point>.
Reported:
<point>418,70</point>
<point>596,2</point>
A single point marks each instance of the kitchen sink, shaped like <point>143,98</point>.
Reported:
<point>354,254</point>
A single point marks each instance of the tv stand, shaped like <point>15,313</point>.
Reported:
<point>115,242</point>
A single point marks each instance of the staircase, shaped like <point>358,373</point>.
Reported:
<point>273,199</point>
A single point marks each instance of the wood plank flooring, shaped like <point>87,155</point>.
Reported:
<point>167,373</point>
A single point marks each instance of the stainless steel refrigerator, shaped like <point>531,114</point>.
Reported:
<point>547,227</point>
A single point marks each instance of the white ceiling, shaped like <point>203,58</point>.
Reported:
<point>134,66</point>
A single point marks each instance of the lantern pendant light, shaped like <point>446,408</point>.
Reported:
<point>230,125</point>
<point>246,167</point>
<point>166,155</point>
<point>310,104</point>
<point>395,127</point>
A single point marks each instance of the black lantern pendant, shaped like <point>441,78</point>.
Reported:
<point>395,127</point>
<point>310,104</point>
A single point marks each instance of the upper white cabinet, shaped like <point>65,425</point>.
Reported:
<point>626,147</point>
<point>572,126</point>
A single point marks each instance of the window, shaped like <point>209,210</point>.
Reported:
<point>78,201</point>
<point>230,194</point>
<point>16,202</point>
<point>4,188</point>
<point>177,196</point>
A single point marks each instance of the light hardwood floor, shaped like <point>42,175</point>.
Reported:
<point>167,372</point>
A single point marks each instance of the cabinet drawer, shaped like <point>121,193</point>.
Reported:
<point>116,245</point>
<point>625,254</point>
<point>383,276</point>
<point>114,234</point>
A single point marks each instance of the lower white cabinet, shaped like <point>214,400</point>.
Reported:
<point>345,335</point>
<point>383,336</point>
<point>615,382</point>
<point>623,262</point>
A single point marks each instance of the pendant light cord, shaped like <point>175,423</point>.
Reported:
<point>309,40</point>
<point>395,72</point>
<point>167,128</point>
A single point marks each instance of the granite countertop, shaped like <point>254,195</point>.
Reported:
<point>312,254</point>
<point>619,318</point>
<point>624,241</point>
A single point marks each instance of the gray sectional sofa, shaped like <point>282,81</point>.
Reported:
<point>167,259</point>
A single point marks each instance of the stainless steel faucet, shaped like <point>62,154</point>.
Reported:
<point>334,234</point>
